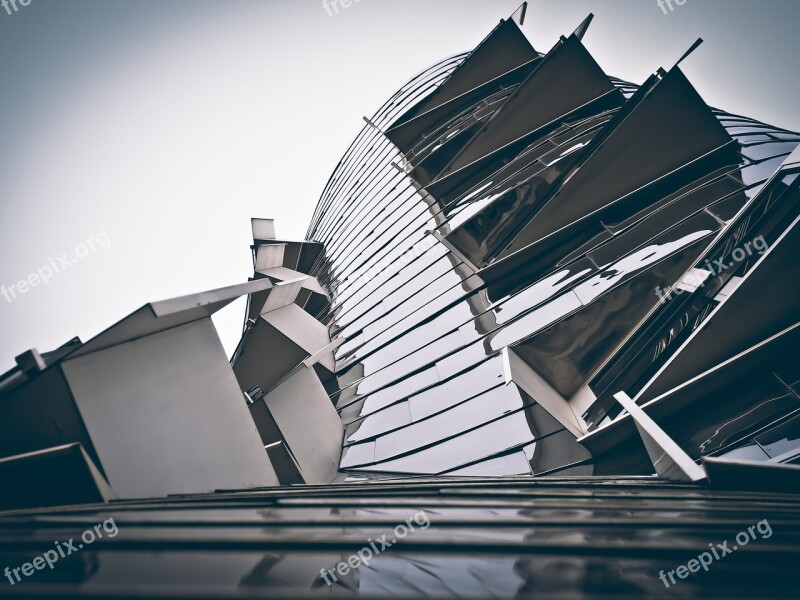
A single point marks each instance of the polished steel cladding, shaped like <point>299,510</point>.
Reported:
<point>540,339</point>
<point>501,240</point>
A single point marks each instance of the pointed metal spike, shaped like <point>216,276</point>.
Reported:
<point>690,50</point>
<point>581,30</point>
<point>519,14</point>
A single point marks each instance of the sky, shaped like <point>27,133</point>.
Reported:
<point>137,139</point>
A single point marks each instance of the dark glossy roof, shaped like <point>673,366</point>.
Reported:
<point>506,537</point>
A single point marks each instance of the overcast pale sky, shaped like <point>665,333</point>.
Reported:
<point>153,130</point>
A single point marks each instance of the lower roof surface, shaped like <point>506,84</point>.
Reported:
<point>487,537</point>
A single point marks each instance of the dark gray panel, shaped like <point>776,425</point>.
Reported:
<point>565,80</point>
<point>505,48</point>
<point>733,327</point>
<point>51,477</point>
<point>669,128</point>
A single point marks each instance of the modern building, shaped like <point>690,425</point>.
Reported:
<point>541,338</point>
